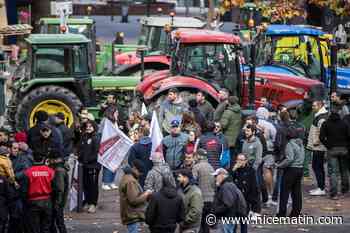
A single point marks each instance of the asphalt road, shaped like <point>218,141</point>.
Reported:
<point>107,218</point>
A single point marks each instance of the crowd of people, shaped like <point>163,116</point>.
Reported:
<point>212,161</point>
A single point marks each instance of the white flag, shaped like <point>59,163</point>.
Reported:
<point>113,147</point>
<point>144,109</point>
<point>73,192</point>
<point>156,135</point>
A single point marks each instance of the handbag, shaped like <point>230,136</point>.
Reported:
<point>225,158</point>
<point>338,151</point>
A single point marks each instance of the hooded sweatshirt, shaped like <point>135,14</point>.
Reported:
<point>253,149</point>
<point>231,123</point>
<point>164,219</point>
<point>295,154</point>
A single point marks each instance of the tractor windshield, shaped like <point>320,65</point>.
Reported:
<point>215,62</point>
<point>72,28</point>
<point>65,60</point>
<point>300,54</point>
<point>155,38</point>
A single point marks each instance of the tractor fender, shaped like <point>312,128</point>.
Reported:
<point>161,86</point>
<point>133,59</point>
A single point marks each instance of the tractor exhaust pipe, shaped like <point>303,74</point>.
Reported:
<point>251,81</point>
<point>142,53</point>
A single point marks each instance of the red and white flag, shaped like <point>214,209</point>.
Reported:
<point>156,135</point>
<point>114,146</point>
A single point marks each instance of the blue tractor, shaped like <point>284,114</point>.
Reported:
<point>301,51</point>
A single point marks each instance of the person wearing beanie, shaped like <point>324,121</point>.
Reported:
<point>193,201</point>
<point>159,171</point>
<point>202,172</point>
<point>132,197</point>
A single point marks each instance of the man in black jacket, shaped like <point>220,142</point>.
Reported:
<point>335,134</point>
<point>6,196</point>
<point>164,220</point>
<point>66,132</point>
<point>228,200</point>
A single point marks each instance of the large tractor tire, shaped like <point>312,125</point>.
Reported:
<point>52,99</point>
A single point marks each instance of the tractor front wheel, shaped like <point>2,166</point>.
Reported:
<point>51,99</point>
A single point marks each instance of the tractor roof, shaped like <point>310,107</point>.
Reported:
<point>293,30</point>
<point>205,36</point>
<point>179,22</point>
<point>57,39</point>
<point>82,21</point>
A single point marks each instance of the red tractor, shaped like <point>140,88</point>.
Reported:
<point>155,36</point>
<point>209,60</point>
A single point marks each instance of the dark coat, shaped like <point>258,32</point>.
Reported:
<point>334,132</point>
<point>34,134</point>
<point>245,179</point>
<point>225,200</point>
<point>68,136</point>
<point>142,151</point>
<point>198,117</point>
<point>7,195</point>
<point>88,150</point>
<point>163,220</point>
<point>213,145</point>
<point>51,148</point>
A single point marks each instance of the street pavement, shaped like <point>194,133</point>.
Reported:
<point>107,218</point>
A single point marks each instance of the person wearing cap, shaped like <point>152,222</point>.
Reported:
<point>228,201</point>
<point>172,107</point>
<point>41,118</point>
<point>212,144</point>
<point>164,220</point>
<point>47,144</point>
<point>202,172</point>
<point>193,201</point>
<point>244,176</point>
<point>132,197</point>
<point>159,171</point>
<point>142,151</point>
<point>66,132</point>
<point>174,145</point>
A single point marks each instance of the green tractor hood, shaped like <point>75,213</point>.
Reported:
<point>115,82</point>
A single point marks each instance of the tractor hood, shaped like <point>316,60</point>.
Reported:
<point>343,77</point>
<point>133,58</point>
<point>275,69</point>
<point>115,82</point>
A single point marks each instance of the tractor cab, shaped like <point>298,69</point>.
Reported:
<point>296,50</point>
<point>303,51</point>
<point>67,58</point>
<point>210,55</point>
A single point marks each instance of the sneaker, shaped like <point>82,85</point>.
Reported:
<point>254,216</point>
<point>86,207</point>
<point>106,187</point>
<point>313,190</point>
<point>270,202</point>
<point>92,209</point>
<point>113,186</point>
<point>318,192</point>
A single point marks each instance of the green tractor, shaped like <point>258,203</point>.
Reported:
<point>57,77</point>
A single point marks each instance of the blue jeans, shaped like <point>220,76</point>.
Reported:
<point>228,228</point>
<point>133,228</point>
<point>107,176</point>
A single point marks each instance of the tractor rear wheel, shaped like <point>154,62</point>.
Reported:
<point>51,99</point>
